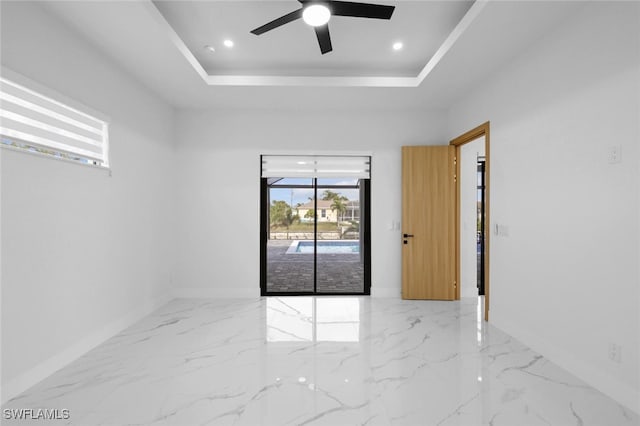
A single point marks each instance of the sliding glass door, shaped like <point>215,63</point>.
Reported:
<point>340,262</point>
<point>290,254</point>
<point>315,234</point>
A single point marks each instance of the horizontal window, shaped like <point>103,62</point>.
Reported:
<point>317,166</point>
<point>32,122</point>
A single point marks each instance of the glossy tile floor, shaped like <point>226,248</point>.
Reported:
<point>318,361</point>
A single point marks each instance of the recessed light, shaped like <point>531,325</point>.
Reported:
<point>316,15</point>
<point>228,43</point>
<point>210,48</point>
<point>398,45</point>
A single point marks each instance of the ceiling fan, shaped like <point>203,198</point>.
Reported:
<point>318,12</point>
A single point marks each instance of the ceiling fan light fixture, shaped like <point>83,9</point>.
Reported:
<point>316,15</point>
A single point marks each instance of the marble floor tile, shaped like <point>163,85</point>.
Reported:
<point>317,361</point>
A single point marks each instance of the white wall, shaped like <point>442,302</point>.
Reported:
<point>83,253</point>
<point>565,280</point>
<point>218,182</point>
<point>469,216</point>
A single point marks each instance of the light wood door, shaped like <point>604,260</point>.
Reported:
<point>428,222</point>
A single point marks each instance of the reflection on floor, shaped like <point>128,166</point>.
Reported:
<point>337,273</point>
<point>318,361</point>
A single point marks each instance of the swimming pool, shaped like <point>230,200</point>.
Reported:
<point>325,247</point>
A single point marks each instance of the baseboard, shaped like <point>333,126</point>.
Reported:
<point>215,293</point>
<point>620,392</point>
<point>43,370</point>
<point>248,293</point>
<point>385,292</point>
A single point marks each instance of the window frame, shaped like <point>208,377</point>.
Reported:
<point>10,139</point>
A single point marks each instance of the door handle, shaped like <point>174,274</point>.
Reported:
<point>407,236</point>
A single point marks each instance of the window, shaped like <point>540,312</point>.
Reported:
<point>32,122</point>
<point>315,235</point>
<point>316,166</point>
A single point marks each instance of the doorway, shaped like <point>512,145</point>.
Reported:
<point>315,226</point>
<point>480,209</point>
<point>471,206</point>
<point>482,177</point>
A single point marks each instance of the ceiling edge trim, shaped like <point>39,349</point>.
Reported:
<point>175,38</point>
<point>463,25</point>
<point>355,81</point>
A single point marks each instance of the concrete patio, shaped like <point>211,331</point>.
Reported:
<point>337,272</point>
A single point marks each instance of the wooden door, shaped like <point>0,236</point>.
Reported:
<point>428,222</point>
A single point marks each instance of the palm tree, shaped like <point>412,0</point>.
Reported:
<point>330,195</point>
<point>338,205</point>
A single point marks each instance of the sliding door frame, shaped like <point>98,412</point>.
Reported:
<point>365,240</point>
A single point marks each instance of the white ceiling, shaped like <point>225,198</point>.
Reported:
<point>361,47</point>
<point>135,35</point>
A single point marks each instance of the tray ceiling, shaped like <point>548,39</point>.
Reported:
<point>362,53</point>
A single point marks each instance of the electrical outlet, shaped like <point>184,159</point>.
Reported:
<point>615,353</point>
<point>615,154</point>
<point>501,230</point>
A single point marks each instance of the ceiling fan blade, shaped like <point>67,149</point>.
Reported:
<point>324,39</point>
<point>361,10</point>
<point>289,17</point>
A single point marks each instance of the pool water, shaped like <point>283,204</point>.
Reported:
<point>327,247</point>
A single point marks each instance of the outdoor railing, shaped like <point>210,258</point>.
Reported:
<point>324,235</point>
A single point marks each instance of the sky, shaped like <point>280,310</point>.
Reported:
<point>301,195</point>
